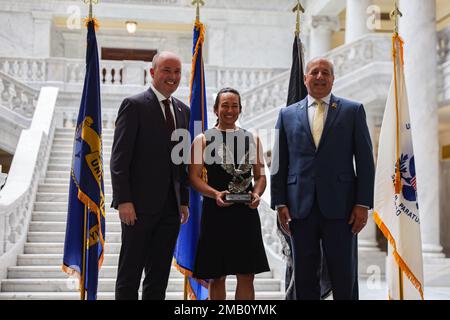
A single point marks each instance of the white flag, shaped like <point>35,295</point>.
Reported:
<point>396,209</point>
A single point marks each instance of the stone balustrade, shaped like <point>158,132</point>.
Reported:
<point>346,59</point>
<point>16,96</point>
<point>444,45</point>
<point>25,69</point>
<point>27,169</point>
<point>67,118</point>
<point>122,73</point>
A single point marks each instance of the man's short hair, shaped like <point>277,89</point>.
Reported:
<point>155,60</point>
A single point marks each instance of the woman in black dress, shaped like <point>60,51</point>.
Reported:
<point>230,237</point>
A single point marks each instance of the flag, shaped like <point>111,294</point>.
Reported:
<point>296,92</point>
<point>396,209</point>
<point>84,243</point>
<point>186,247</point>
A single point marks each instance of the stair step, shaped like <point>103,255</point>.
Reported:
<point>108,284</point>
<point>68,154</point>
<point>66,137</point>
<point>67,161</point>
<point>70,148</point>
<point>56,259</point>
<point>55,272</point>
<point>63,140</point>
<point>52,226</point>
<point>68,167</point>
<point>58,248</point>
<point>63,188</point>
<point>111,216</point>
<point>261,295</point>
<point>58,131</point>
<point>111,237</point>
<point>61,206</point>
<point>66,174</point>
<point>57,197</point>
<point>107,181</point>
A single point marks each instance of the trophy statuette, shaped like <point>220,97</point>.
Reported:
<point>239,184</point>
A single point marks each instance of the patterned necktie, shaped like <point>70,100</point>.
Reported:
<point>169,117</point>
<point>317,127</point>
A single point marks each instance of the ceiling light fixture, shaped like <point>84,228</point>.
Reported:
<point>131,26</point>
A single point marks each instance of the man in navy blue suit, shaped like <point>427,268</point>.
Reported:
<point>322,183</point>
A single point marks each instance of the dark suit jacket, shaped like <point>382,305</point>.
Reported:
<point>299,170</point>
<point>141,165</point>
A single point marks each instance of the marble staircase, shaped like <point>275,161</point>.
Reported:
<point>38,274</point>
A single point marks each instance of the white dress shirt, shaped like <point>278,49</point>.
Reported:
<point>160,98</point>
<point>312,108</point>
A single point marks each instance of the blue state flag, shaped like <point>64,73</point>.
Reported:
<point>189,233</point>
<point>84,243</point>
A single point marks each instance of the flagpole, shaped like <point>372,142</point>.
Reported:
<point>83,272</point>
<point>298,8</point>
<point>90,2</point>
<point>185,295</point>
<point>395,14</point>
<point>196,3</point>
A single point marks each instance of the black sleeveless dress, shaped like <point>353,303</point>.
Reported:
<point>230,238</point>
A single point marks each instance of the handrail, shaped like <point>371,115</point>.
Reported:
<point>27,168</point>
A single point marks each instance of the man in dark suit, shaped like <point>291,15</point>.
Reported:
<point>318,192</point>
<point>149,190</point>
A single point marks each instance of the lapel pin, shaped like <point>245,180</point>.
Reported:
<point>179,109</point>
<point>334,105</point>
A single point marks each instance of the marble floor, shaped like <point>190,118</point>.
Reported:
<point>371,291</point>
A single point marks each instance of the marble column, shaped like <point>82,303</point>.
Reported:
<point>321,28</point>
<point>42,33</point>
<point>418,29</point>
<point>356,19</point>
<point>371,258</point>
<point>215,43</point>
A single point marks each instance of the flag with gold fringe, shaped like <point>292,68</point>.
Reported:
<point>84,243</point>
<point>189,233</point>
<point>396,209</point>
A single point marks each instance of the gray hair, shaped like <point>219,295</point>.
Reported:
<point>308,65</point>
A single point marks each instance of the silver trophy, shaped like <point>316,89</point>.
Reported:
<point>239,184</point>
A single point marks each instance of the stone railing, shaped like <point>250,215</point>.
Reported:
<point>346,59</point>
<point>444,45</point>
<point>27,169</point>
<point>25,69</point>
<point>67,118</point>
<point>123,73</point>
<point>16,96</point>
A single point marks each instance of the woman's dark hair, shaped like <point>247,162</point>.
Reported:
<point>222,91</point>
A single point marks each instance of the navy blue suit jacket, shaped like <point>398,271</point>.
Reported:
<point>299,170</point>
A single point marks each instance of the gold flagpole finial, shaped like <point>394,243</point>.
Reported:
<point>395,14</point>
<point>298,8</point>
<point>90,6</point>
<point>198,3</point>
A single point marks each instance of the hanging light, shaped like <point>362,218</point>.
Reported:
<point>131,26</point>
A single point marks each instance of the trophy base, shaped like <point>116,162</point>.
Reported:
<point>238,198</point>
